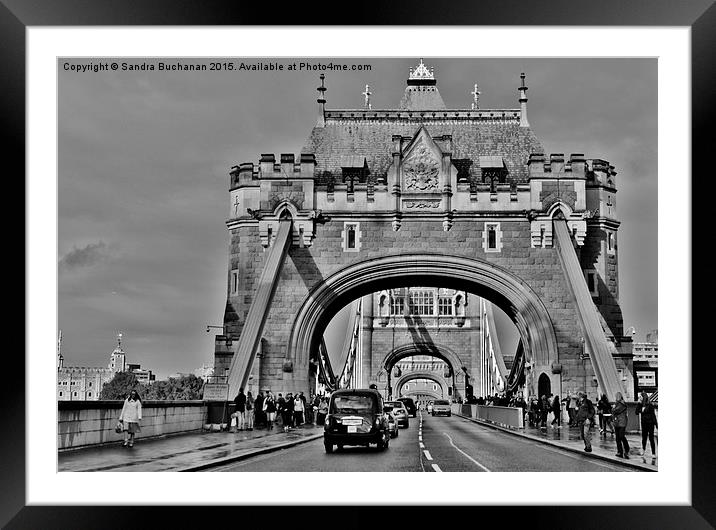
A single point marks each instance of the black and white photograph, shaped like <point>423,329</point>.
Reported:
<point>409,264</point>
<point>415,267</point>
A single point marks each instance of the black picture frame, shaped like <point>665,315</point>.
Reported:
<point>699,15</point>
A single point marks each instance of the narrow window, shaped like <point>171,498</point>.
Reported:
<point>492,238</point>
<point>397,305</point>
<point>610,242</point>
<point>60,393</point>
<point>351,237</point>
<point>235,282</point>
<point>351,232</point>
<point>592,282</point>
<point>89,394</point>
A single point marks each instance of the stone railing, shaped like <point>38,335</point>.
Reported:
<point>88,423</point>
<point>505,416</point>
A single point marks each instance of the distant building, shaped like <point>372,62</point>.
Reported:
<point>83,383</point>
<point>205,371</point>
<point>646,364</point>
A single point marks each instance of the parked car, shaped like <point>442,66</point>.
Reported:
<point>429,407</point>
<point>441,406</point>
<point>393,425</point>
<point>400,412</point>
<point>356,417</point>
<point>410,405</point>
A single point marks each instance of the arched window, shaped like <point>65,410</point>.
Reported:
<point>422,302</point>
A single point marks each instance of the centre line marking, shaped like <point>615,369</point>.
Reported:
<point>422,445</point>
<point>437,468</point>
<point>478,464</point>
<point>427,454</point>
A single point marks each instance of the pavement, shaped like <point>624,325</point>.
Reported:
<point>185,452</point>
<point>206,450</point>
<point>569,438</point>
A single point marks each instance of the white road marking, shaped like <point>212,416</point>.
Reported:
<point>437,468</point>
<point>420,438</point>
<point>427,454</point>
<point>422,445</point>
<point>478,464</point>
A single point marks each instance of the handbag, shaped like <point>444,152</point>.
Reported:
<point>119,427</point>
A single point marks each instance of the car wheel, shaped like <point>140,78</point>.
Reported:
<point>387,444</point>
<point>397,433</point>
<point>339,447</point>
<point>329,447</point>
<point>449,414</point>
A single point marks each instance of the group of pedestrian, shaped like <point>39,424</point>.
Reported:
<point>615,419</point>
<point>267,410</point>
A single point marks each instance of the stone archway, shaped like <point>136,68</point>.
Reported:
<point>444,385</point>
<point>492,282</point>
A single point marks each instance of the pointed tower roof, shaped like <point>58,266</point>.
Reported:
<point>422,91</point>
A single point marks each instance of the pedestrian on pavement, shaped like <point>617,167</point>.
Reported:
<point>306,409</point>
<point>585,419</point>
<point>240,401</point>
<point>544,409</point>
<point>316,403</point>
<point>645,408</point>
<point>322,411</point>
<point>249,411</point>
<point>269,408</point>
<point>605,415</point>
<point>620,419</point>
<point>281,409</point>
<point>534,412</point>
<point>130,417</point>
<point>298,408</point>
<point>571,408</point>
<point>260,415</point>
<point>557,411</point>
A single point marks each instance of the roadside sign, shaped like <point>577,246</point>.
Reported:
<point>216,392</point>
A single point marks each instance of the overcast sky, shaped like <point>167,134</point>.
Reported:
<point>143,180</point>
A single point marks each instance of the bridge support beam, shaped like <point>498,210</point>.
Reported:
<point>250,339</point>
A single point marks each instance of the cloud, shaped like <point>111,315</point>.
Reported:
<point>88,256</point>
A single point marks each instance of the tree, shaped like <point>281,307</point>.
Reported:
<point>120,385</point>
<point>183,388</point>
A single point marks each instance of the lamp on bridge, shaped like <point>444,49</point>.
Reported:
<point>227,337</point>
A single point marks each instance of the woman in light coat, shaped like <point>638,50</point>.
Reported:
<point>130,417</point>
<point>620,418</point>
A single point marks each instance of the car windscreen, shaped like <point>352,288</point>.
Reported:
<point>355,403</point>
<point>441,402</point>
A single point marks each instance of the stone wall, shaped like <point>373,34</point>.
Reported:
<point>306,267</point>
<point>87,423</point>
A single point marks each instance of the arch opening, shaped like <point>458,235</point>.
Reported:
<point>486,280</point>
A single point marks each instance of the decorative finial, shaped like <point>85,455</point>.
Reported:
<point>367,95</point>
<point>119,340</point>
<point>475,98</point>
<point>321,101</point>
<point>523,102</point>
<point>421,72</point>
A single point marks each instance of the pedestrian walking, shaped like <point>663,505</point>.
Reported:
<point>299,407</point>
<point>557,411</point>
<point>585,418</point>
<point>645,409</point>
<point>544,409</point>
<point>240,413</point>
<point>322,411</point>
<point>130,417</point>
<point>260,415</point>
<point>249,411</point>
<point>281,409</point>
<point>605,415</point>
<point>620,417</point>
<point>269,407</point>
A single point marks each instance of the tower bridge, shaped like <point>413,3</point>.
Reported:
<point>422,216</point>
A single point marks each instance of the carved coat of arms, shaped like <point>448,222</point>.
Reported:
<point>421,170</point>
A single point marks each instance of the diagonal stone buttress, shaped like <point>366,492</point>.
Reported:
<point>602,360</point>
<point>250,339</point>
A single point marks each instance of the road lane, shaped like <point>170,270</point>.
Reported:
<point>403,455</point>
<point>457,444</point>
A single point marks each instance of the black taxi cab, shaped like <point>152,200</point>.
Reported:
<point>356,417</point>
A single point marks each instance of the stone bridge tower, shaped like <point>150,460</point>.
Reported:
<point>425,195</point>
